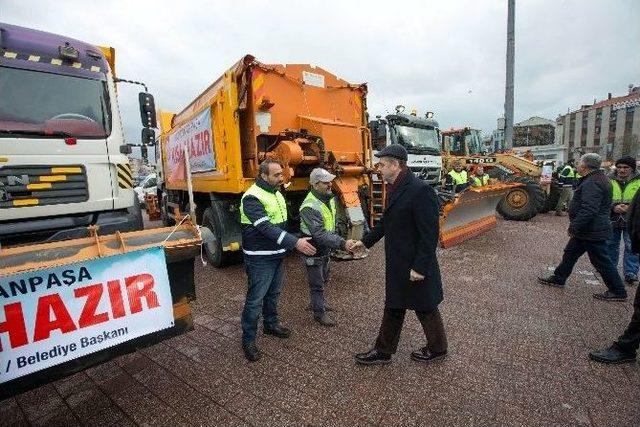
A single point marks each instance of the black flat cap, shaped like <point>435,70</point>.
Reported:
<point>394,150</point>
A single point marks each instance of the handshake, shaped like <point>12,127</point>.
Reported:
<point>355,246</point>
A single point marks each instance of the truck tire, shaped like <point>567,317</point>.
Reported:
<point>213,250</point>
<point>136,212</point>
<point>164,209</point>
<point>523,203</point>
<point>552,198</point>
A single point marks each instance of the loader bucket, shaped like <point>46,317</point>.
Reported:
<point>471,213</point>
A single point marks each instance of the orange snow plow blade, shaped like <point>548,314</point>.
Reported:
<point>471,213</point>
<point>179,243</point>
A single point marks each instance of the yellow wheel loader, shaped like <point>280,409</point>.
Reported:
<point>519,203</point>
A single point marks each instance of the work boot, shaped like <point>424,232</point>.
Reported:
<point>278,331</point>
<point>551,281</point>
<point>251,351</point>
<point>631,280</point>
<point>424,355</point>
<point>373,357</point>
<point>324,320</point>
<point>609,296</point>
<point>327,307</point>
<point>611,355</point>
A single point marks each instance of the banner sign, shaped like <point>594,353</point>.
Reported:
<point>197,134</point>
<point>51,316</point>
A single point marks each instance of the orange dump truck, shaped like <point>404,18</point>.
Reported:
<point>300,114</point>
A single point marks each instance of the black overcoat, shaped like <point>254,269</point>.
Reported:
<point>410,224</point>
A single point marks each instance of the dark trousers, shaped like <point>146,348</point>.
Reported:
<point>599,257</point>
<point>318,275</point>
<point>629,341</point>
<point>391,326</point>
<point>265,278</point>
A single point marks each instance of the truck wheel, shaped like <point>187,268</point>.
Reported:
<point>213,250</point>
<point>523,203</point>
<point>164,209</point>
<point>552,198</point>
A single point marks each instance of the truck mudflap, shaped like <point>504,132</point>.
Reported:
<point>471,213</point>
<point>94,299</point>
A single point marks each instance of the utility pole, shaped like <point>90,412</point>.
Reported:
<point>508,93</point>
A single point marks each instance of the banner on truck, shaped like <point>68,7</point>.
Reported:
<point>51,316</point>
<point>197,135</point>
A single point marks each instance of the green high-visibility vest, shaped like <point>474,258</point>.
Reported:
<point>459,177</point>
<point>480,181</point>
<point>570,174</point>
<point>328,212</point>
<point>626,195</point>
<point>274,205</point>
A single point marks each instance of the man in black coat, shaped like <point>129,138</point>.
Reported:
<point>410,226</point>
<point>624,349</point>
<point>589,230</point>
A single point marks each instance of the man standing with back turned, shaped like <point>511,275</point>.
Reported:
<point>410,228</point>
<point>263,214</point>
<point>589,230</point>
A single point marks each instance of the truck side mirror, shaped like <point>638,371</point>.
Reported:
<point>125,149</point>
<point>147,110</point>
<point>148,136</point>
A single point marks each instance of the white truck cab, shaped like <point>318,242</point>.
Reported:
<point>419,136</point>
<point>63,163</point>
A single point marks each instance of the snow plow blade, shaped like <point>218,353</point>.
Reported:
<point>471,213</point>
<point>124,300</point>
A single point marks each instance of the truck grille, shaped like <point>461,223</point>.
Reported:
<point>22,186</point>
<point>429,174</point>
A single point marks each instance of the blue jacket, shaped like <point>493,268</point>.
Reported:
<point>264,239</point>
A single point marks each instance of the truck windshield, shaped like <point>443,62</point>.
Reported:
<point>44,104</point>
<point>417,139</point>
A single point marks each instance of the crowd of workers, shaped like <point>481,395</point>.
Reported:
<point>602,210</point>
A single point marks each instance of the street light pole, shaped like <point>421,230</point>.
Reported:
<point>508,94</point>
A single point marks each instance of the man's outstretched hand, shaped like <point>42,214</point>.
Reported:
<point>354,246</point>
<point>415,276</point>
<point>304,246</point>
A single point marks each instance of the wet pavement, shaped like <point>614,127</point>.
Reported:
<point>518,353</point>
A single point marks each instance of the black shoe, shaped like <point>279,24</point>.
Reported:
<point>610,296</point>
<point>425,356</point>
<point>373,357</point>
<point>631,281</point>
<point>612,356</point>
<point>278,331</point>
<point>251,351</point>
<point>551,281</point>
<point>325,320</point>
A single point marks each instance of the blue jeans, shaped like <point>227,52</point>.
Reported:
<point>599,257</point>
<point>630,261</point>
<point>265,278</point>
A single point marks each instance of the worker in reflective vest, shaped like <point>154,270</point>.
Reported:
<point>624,185</point>
<point>479,178</point>
<point>567,180</point>
<point>318,221</point>
<point>458,177</point>
<point>263,214</point>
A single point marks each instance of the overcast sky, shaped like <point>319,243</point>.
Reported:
<point>446,56</point>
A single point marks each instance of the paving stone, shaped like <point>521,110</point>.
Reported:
<point>517,356</point>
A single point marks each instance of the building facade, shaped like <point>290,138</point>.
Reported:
<point>610,128</point>
<point>539,136</point>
